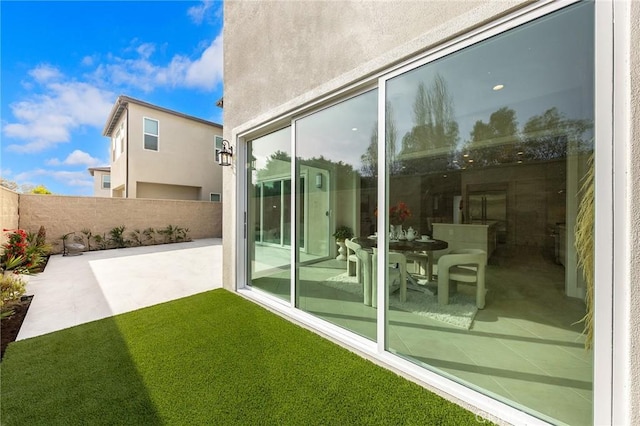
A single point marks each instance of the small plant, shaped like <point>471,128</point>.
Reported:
<point>101,241</point>
<point>116,237</point>
<point>136,237</point>
<point>342,233</point>
<point>12,288</point>
<point>22,253</point>
<point>182,234</point>
<point>169,233</point>
<point>150,235</point>
<point>87,233</point>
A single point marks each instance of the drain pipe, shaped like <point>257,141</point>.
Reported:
<point>126,171</point>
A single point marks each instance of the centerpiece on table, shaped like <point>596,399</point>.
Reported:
<point>398,213</point>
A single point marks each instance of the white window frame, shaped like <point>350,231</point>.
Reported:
<point>219,200</point>
<point>611,404</point>
<point>102,181</point>
<point>151,134</point>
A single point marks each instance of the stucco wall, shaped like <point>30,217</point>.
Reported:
<point>340,43</point>
<point>98,191</point>
<point>9,207</point>
<point>62,214</point>
<point>634,205</point>
<point>185,156</point>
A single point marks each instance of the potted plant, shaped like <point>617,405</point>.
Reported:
<point>342,233</point>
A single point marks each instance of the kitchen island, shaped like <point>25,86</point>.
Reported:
<point>468,235</point>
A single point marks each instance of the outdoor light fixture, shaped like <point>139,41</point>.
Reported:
<point>319,180</point>
<point>225,154</point>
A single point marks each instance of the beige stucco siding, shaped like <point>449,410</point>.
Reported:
<point>119,164</point>
<point>98,190</point>
<point>185,156</point>
<point>167,192</point>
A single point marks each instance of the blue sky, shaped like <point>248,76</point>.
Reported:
<point>63,64</point>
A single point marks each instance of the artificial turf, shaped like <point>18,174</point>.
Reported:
<point>210,359</point>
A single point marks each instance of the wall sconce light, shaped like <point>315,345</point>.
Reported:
<point>319,180</point>
<point>225,154</point>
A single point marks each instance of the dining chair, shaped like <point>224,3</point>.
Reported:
<point>397,272</point>
<point>462,265</point>
<point>353,262</point>
<point>361,261</point>
<point>420,260</point>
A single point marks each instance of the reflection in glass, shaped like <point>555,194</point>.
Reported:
<point>488,148</point>
<point>269,213</point>
<point>336,148</point>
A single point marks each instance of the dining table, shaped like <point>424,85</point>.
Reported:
<point>420,245</point>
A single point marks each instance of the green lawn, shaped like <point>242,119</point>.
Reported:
<point>213,359</point>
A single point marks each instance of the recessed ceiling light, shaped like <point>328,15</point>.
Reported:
<point>470,160</point>
<point>520,152</point>
<point>498,87</point>
<point>355,129</point>
<point>465,155</point>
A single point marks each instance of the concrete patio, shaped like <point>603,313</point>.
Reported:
<point>75,290</point>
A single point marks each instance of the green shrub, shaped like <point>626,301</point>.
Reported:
<point>12,288</point>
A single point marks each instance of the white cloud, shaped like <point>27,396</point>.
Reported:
<point>76,158</point>
<point>198,13</point>
<point>45,72</point>
<point>145,50</point>
<point>47,119</point>
<point>71,178</point>
<point>88,61</point>
<point>204,72</point>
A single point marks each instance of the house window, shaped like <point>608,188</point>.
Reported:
<point>218,145</point>
<point>216,198</point>
<point>151,134</point>
<point>106,181</point>
<point>122,138</point>
<point>118,144</point>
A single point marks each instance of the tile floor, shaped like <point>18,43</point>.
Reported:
<point>524,348</point>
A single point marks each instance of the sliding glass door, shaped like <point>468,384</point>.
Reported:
<point>486,149</point>
<point>269,213</point>
<point>489,149</point>
<point>335,149</point>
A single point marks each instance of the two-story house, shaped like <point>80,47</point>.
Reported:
<point>160,153</point>
<point>101,181</point>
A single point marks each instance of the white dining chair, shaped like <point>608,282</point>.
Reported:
<point>353,262</point>
<point>361,261</point>
<point>462,265</point>
<point>397,273</point>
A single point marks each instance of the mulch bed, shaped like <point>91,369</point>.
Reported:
<point>9,327</point>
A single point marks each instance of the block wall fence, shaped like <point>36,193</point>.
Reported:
<point>9,209</point>
<point>61,214</point>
